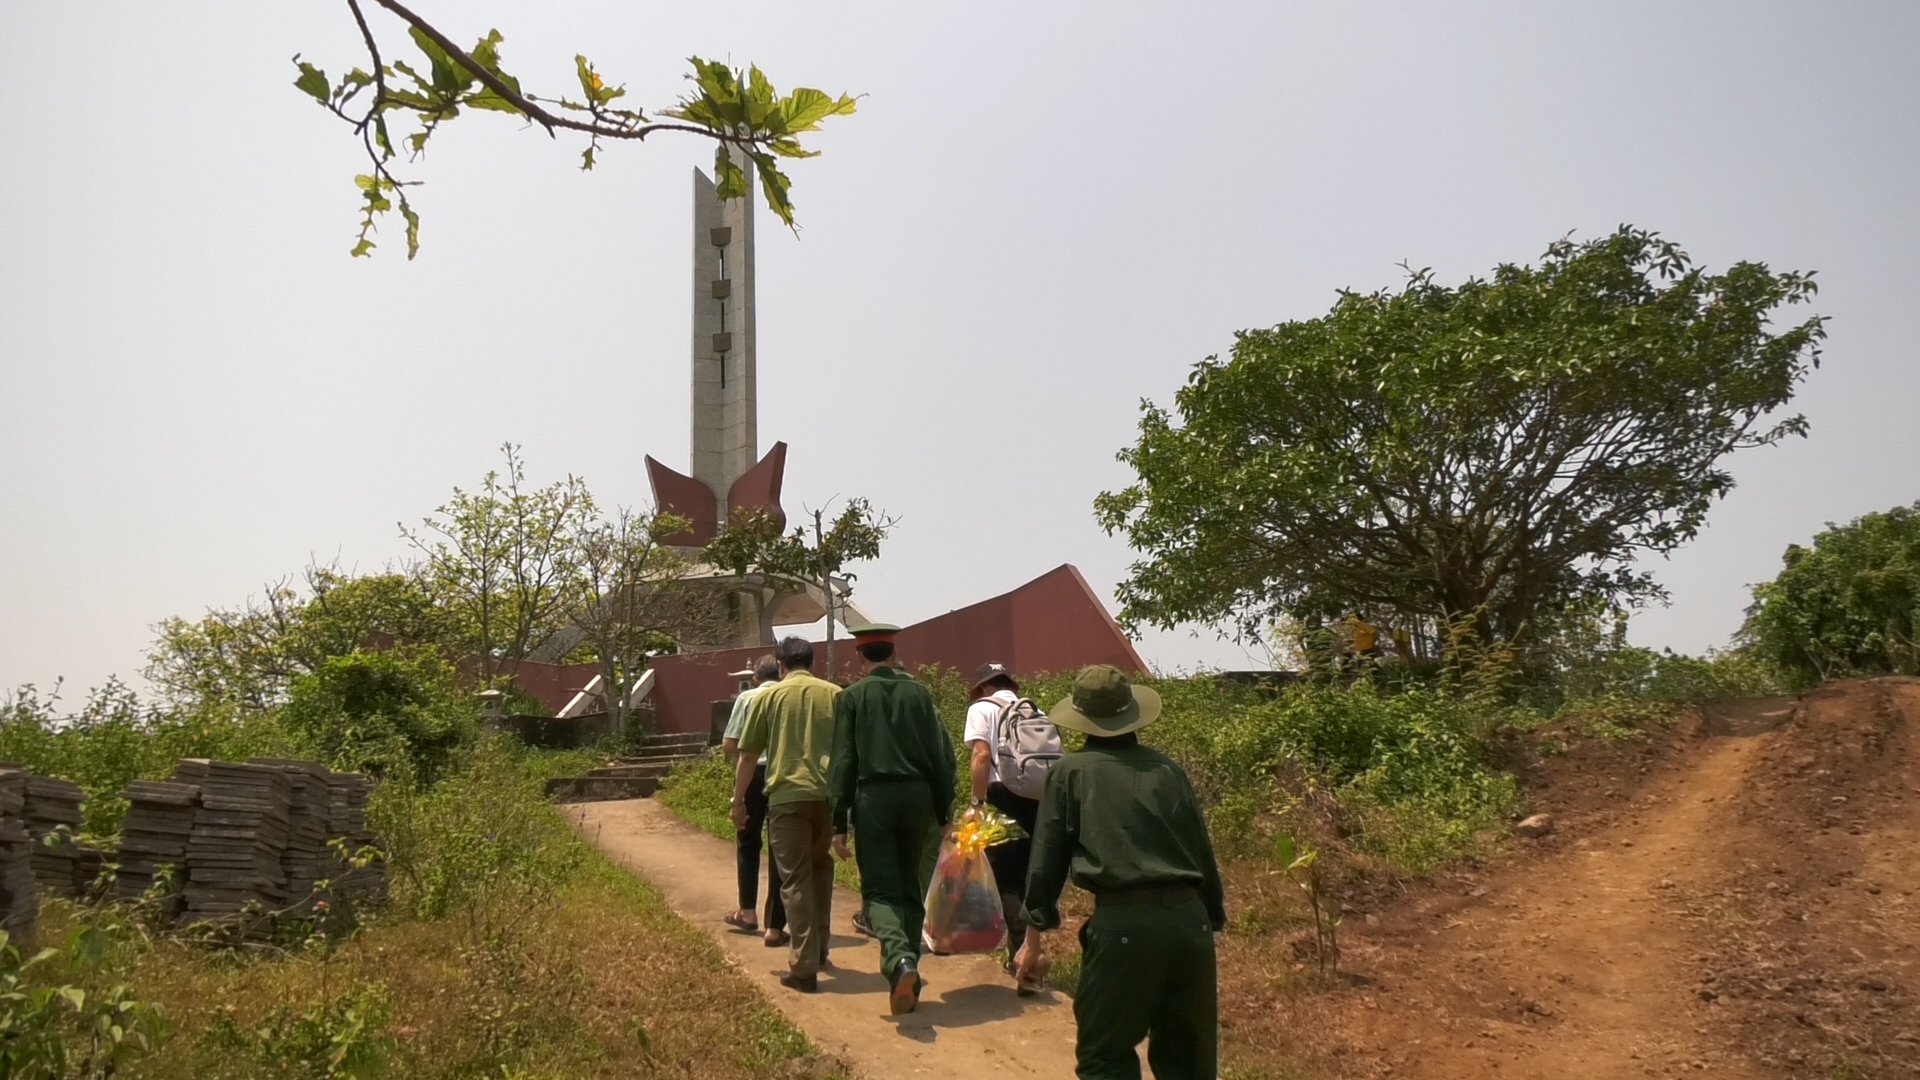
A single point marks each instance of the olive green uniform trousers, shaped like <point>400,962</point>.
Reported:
<point>1148,972</point>
<point>892,850</point>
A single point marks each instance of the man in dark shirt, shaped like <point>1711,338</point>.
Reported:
<point>1123,821</point>
<point>893,771</point>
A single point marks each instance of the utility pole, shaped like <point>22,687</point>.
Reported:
<point>826,586</point>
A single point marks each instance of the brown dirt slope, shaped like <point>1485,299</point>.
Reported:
<point>1748,909</point>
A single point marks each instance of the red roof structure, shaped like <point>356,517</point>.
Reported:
<point>1053,623</point>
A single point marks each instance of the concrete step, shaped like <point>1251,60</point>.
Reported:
<point>569,789</point>
<point>643,757</point>
<point>656,753</point>
<point>692,740</point>
<point>652,770</point>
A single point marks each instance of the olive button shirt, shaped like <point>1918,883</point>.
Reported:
<point>1117,818</point>
<point>791,723</point>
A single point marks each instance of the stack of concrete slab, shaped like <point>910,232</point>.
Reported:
<point>307,860</point>
<point>347,806</point>
<point>239,836</point>
<point>19,894</point>
<point>154,836</point>
<point>50,805</point>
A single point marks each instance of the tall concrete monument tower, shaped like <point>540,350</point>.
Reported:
<point>727,471</point>
<point>727,474</point>
<point>725,427</point>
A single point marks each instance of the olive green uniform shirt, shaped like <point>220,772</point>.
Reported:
<point>1117,818</point>
<point>792,722</point>
<point>887,728</point>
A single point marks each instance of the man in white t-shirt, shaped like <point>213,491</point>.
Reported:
<point>994,689</point>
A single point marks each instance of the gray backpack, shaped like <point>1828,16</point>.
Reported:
<point>1029,744</point>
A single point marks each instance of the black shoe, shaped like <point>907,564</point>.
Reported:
<point>905,995</point>
<point>805,984</point>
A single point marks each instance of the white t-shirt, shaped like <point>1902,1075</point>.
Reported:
<point>983,726</point>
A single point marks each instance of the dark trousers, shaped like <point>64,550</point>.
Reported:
<point>896,821</point>
<point>747,857</point>
<point>1009,860</point>
<point>1148,972</point>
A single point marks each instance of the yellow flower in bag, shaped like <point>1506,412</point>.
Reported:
<point>983,828</point>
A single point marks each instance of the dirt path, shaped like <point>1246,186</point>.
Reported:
<point>1696,931</point>
<point>1568,968</point>
<point>969,1022</point>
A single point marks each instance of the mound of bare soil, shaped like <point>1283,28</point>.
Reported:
<point>1816,961</point>
<point>1737,896</point>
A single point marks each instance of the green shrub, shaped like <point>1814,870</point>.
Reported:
<point>1409,766</point>
<point>1849,605</point>
<point>480,842</point>
<point>701,792</point>
<point>65,1014</point>
<point>114,739</point>
<point>358,711</point>
<point>343,1037</point>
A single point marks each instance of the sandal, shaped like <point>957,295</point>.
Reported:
<point>734,920</point>
<point>774,939</point>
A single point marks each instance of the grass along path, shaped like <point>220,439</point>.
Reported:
<point>586,1004</point>
<point>969,1022</point>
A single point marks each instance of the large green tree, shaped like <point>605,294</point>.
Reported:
<point>1482,450</point>
<point>502,561</point>
<point>430,81</point>
<point>633,598</point>
<point>248,655</point>
<point>1848,605</point>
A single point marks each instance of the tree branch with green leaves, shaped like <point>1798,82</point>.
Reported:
<point>736,108</point>
<point>752,544</point>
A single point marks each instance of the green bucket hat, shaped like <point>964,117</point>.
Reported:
<point>1105,702</point>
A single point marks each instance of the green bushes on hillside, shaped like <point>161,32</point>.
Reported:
<point>360,711</point>
<point>114,738</point>
<point>1410,767</point>
<point>1849,605</point>
<point>510,948</point>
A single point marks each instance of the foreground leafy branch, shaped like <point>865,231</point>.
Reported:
<point>739,109</point>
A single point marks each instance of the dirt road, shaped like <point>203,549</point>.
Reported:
<point>1742,905</point>
<point>1752,912</point>
<point>969,1022</point>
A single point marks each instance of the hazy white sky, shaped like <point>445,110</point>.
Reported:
<point>1042,213</point>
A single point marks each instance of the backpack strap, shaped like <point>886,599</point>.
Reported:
<point>1004,728</point>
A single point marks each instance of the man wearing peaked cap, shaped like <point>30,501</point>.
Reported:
<point>1123,822</point>
<point>893,772</point>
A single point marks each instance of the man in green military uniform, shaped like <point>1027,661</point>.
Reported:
<point>893,771</point>
<point>1124,822</point>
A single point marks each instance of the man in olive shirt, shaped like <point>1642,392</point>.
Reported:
<point>792,721</point>
<point>893,771</point>
<point>1124,822</point>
